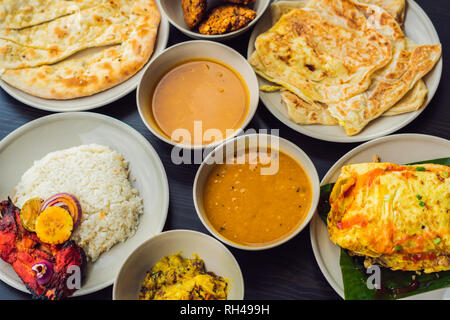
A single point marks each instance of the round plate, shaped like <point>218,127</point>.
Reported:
<point>417,26</point>
<point>400,149</point>
<point>98,99</point>
<point>35,139</point>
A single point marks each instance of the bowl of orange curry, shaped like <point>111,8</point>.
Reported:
<point>256,191</point>
<point>197,94</point>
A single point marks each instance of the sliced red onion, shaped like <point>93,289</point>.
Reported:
<point>43,271</point>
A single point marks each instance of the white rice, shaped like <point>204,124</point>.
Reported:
<point>98,177</point>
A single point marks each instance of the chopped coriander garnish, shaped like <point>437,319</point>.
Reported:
<point>419,197</point>
<point>398,248</point>
<point>422,204</point>
<point>420,168</point>
<point>437,240</point>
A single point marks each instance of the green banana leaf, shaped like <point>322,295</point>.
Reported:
<point>394,284</point>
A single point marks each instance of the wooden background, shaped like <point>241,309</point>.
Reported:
<point>286,272</point>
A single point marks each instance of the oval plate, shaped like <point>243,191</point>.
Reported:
<point>400,149</point>
<point>417,26</point>
<point>35,139</point>
<point>99,99</point>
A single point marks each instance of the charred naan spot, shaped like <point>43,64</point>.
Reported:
<point>97,18</point>
<point>79,81</point>
<point>54,51</point>
<point>285,58</point>
<point>60,33</point>
<point>310,67</point>
<point>298,28</point>
<point>108,66</point>
<point>143,32</point>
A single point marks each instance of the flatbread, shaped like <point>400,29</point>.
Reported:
<point>18,14</point>
<point>325,53</point>
<point>85,76</point>
<point>313,113</point>
<point>56,40</point>
<point>396,8</point>
<point>412,101</point>
<point>302,112</point>
<point>410,62</point>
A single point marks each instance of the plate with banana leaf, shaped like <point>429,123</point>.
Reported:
<point>382,229</point>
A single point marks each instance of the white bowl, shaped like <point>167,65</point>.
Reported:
<point>173,11</point>
<point>251,141</point>
<point>186,51</point>
<point>216,256</point>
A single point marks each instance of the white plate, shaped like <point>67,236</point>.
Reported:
<point>64,130</point>
<point>418,27</point>
<point>400,149</point>
<point>98,99</point>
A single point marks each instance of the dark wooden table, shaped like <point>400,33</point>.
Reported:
<point>286,272</point>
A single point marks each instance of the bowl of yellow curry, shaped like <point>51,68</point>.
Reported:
<point>180,265</point>
<point>256,191</point>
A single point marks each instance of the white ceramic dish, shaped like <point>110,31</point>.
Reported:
<point>418,27</point>
<point>400,149</point>
<point>59,131</point>
<point>174,12</point>
<point>99,99</point>
<point>216,256</point>
<point>251,142</point>
<point>191,50</point>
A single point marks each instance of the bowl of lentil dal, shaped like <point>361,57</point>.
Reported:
<point>256,191</point>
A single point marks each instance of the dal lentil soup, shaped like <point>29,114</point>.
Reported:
<point>255,210</point>
<point>204,91</point>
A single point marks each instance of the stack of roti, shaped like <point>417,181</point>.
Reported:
<point>38,40</point>
<point>343,62</point>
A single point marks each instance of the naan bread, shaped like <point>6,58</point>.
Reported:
<point>85,76</point>
<point>410,62</point>
<point>54,41</point>
<point>18,14</point>
<point>324,53</point>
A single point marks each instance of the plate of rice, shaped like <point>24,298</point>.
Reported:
<point>109,167</point>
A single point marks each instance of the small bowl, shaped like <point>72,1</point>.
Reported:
<point>186,51</point>
<point>216,256</point>
<point>249,142</point>
<point>174,12</point>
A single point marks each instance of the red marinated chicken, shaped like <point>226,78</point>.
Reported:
<point>22,249</point>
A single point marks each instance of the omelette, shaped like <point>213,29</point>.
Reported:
<point>397,216</point>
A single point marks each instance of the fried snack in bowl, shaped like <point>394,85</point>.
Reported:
<point>226,18</point>
<point>193,11</point>
<point>241,2</point>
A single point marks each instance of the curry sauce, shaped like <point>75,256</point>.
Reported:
<point>205,91</point>
<point>253,209</point>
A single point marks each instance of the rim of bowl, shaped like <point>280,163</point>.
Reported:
<point>248,118</point>
<point>201,234</point>
<point>224,36</point>
<point>313,177</point>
